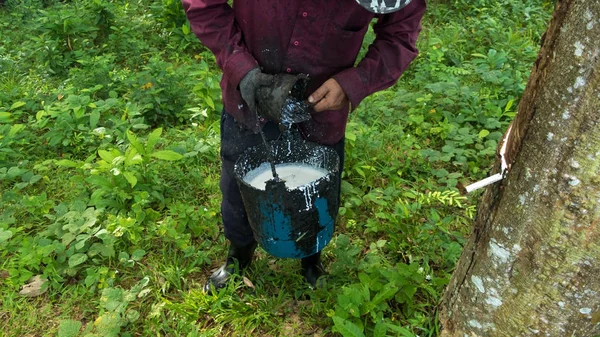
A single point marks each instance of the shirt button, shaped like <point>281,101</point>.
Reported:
<point>296,43</point>
<point>304,14</point>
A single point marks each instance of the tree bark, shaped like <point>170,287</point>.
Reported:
<point>532,264</point>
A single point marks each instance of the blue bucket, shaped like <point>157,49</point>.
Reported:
<point>291,222</point>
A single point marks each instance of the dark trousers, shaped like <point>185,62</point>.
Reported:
<point>234,141</point>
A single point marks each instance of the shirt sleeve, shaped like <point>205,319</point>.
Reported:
<point>213,22</point>
<point>388,56</point>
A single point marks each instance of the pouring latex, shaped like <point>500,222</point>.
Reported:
<point>282,101</point>
<point>292,207</point>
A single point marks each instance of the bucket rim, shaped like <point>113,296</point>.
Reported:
<point>330,172</point>
<point>314,182</point>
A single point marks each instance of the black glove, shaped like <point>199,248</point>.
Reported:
<point>250,84</point>
<point>282,101</point>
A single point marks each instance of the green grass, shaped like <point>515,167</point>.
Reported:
<point>128,253</point>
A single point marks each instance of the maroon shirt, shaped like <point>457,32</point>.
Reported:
<point>316,37</point>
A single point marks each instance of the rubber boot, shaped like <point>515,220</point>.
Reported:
<point>312,269</point>
<point>238,258</point>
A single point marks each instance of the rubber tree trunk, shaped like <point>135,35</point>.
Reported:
<point>532,264</point>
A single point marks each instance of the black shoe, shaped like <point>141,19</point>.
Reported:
<point>238,258</point>
<point>312,269</point>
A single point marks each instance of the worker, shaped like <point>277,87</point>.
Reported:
<point>254,40</point>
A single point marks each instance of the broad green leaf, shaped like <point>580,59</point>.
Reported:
<point>14,171</point>
<point>185,29</point>
<point>66,163</point>
<point>15,129</point>
<point>94,118</point>
<point>134,141</point>
<point>109,325</point>
<point>5,117</point>
<point>347,328</point>
<point>77,259</point>
<point>123,256</point>
<point>385,294</point>
<point>131,179</point>
<point>144,281</point>
<point>153,138</point>
<point>17,105</point>
<point>167,155</point>
<point>132,315</point>
<point>380,330</point>
<point>210,102</point>
<point>67,238</point>
<point>100,248</point>
<point>483,133</point>
<point>21,186</point>
<point>138,254</point>
<point>81,241</point>
<point>132,157</point>
<point>400,330</point>
<point>69,328</point>
<point>99,181</point>
<point>113,299</point>
<point>5,235</point>
<point>106,155</point>
<point>509,105</point>
<point>34,179</point>
<point>350,136</point>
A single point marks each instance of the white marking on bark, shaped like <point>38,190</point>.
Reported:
<point>478,283</point>
<point>579,48</point>
<point>585,311</point>
<point>566,114</point>
<point>590,25</point>
<point>499,252</point>
<point>579,82</point>
<point>550,136</point>
<point>561,304</point>
<point>575,164</point>
<point>493,301</point>
<point>573,181</point>
<point>475,324</point>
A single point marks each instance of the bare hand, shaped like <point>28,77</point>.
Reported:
<point>330,96</point>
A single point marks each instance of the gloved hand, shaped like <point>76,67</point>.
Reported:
<point>249,85</point>
<point>282,102</point>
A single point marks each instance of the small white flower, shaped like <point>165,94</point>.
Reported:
<point>115,171</point>
<point>99,131</point>
<point>420,271</point>
<point>428,277</point>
